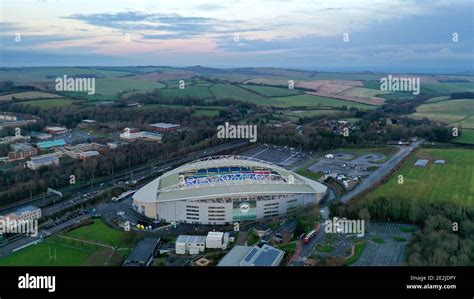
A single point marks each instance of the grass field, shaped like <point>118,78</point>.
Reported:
<point>467,137</point>
<point>452,112</point>
<point>307,100</point>
<point>29,74</point>
<point>270,91</point>
<point>453,181</point>
<point>447,88</point>
<point>39,255</point>
<point>69,252</point>
<point>311,113</point>
<point>223,91</point>
<point>363,92</point>
<point>438,99</point>
<point>189,91</point>
<point>102,233</point>
<point>29,95</point>
<point>49,103</point>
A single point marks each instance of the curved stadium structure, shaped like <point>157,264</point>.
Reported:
<point>225,189</point>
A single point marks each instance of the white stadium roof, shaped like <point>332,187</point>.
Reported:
<point>170,186</point>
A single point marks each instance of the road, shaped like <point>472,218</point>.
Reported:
<point>11,246</point>
<point>108,181</point>
<point>381,172</point>
<point>79,197</point>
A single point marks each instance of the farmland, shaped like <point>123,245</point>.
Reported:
<point>223,91</point>
<point>314,101</point>
<point>467,137</point>
<point>452,112</point>
<point>49,103</point>
<point>189,91</point>
<point>270,91</point>
<point>453,181</point>
<point>28,95</point>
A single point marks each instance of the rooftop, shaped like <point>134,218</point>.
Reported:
<point>188,239</point>
<point>143,250</point>
<point>164,125</point>
<point>51,143</point>
<point>246,256</point>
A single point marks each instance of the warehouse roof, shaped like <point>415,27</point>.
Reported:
<point>246,256</point>
<point>188,239</point>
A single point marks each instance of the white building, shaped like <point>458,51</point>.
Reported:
<point>43,160</point>
<point>186,244</point>
<point>132,135</point>
<point>217,240</point>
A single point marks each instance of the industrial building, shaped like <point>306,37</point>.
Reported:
<point>43,160</point>
<point>225,189</point>
<point>56,130</point>
<point>248,256</point>
<point>21,151</point>
<point>217,240</point>
<point>144,253</point>
<point>133,134</point>
<point>186,244</point>
<point>50,144</point>
<point>83,150</point>
<point>165,127</point>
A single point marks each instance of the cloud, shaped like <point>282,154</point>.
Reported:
<point>172,25</point>
<point>209,6</point>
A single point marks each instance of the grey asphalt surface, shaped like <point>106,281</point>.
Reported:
<point>381,172</point>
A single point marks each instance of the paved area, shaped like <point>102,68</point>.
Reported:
<point>381,172</point>
<point>389,253</point>
<point>282,156</point>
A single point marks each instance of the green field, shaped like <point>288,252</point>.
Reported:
<point>453,181</point>
<point>313,101</point>
<point>106,89</point>
<point>49,103</point>
<point>363,92</point>
<point>452,112</point>
<point>189,91</point>
<point>311,113</point>
<point>224,91</point>
<point>447,88</point>
<point>28,95</point>
<point>438,99</point>
<point>467,137</point>
<point>270,91</point>
<point>30,74</point>
<point>59,251</point>
<point>102,233</point>
<point>39,255</point>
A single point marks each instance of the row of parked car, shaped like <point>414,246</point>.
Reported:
<point>65,219</point>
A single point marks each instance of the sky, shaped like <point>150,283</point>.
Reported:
<point>393,35</point>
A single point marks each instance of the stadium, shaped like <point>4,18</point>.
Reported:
<point>225,189</point>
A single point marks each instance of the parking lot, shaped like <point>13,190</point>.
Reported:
<point>389,253</point>
<point>279,155</point>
